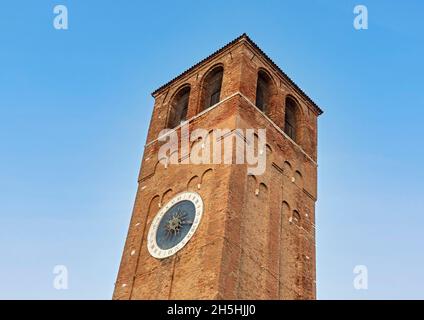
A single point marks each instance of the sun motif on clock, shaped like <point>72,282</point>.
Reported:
<point>174,225</point>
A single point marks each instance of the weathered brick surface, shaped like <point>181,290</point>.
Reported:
<point>248,245</point>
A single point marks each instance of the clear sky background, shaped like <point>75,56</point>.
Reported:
<point>75,107</point>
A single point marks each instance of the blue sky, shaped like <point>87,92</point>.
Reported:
<point>75,107</point>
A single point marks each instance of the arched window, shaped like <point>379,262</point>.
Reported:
<point>211,91</point>
<point>179,106</point>
<point>263,91</point>
<point>291,119</point>
<point>296,217</point>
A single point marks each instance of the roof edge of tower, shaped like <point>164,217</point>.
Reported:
<point>244,36</point>
<point>211,56</point>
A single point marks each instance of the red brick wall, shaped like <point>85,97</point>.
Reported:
<point>247,245</point>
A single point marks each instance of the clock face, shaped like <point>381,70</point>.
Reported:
<point>174,224</point>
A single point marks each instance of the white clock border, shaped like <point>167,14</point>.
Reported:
<point>152,245</point>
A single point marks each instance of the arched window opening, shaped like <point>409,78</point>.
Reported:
<point>263,91</point>
<point>179,107</point>
<point>211,93</point>
<point>296,216</point>
<point>290,122</point>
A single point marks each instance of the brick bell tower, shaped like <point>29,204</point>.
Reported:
<point>213,231</point>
